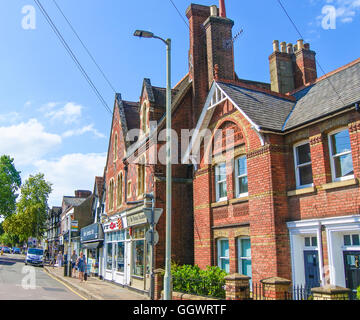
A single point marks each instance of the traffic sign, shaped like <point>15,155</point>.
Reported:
<point>157,214</point>
<point>148,236</point>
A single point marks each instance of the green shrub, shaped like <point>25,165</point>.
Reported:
<point>358,293</point>
<point>191,279</point>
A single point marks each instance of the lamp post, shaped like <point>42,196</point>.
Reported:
<point>167,277</point>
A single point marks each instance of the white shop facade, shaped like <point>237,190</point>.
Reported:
<point>126,253</point>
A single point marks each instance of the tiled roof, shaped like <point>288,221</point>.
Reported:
<point>264,109</point>
<point>132,115</point>
<point>328,95</point>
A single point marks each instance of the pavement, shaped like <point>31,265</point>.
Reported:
<point>94,288</point>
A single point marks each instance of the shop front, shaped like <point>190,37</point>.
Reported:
<point>127,253</point>
<point>92,238</point>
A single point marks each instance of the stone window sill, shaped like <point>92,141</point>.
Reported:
<point>220,204</point>
<point>340,184</point>
<point>239,200</point>
<point>302,191</point>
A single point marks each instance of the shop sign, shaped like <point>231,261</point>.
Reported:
<point>135,219</point>
<point>114,225</point>
<point>91,232</point>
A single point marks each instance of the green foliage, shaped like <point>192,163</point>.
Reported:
<point>30,219</point>
<point>9,240</point>
<point>193,280</point>
<point>10,182</point>
<point>358,293</point>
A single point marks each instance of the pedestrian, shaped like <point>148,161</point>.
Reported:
<point>59,259</point>
<point>73,263</point>
<point>81,266</point>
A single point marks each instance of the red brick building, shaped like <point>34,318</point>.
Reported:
<point>276,192</point>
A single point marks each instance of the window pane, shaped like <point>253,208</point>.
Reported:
<point>224,248</point>
<point>243,185</point>
<point>225,265</point>
<point>314,241</point>
<point>303,153</point>
<point>245,248</point>
<point>307,242</point>
<point>347,240</point>
<point>305,174</point>
<point>242,167</point>
<point>246,267</point>
<point>109,256</point>
<point>355,239</point>
<point>343,166</point>
<point>340,142</point>
<point>222,190</point>
<point>138,258</point>
<point>221,172</point>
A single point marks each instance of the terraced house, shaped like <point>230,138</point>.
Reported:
<point>275,194</point>
<point>285,201</point>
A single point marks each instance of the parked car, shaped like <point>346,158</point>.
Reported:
<point>35,256</point>
<point>16,251</point>
<point>6,250</point>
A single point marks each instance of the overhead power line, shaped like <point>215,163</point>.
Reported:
<point>317,61</point>
<point>72,55</point>
<point>84,46</point>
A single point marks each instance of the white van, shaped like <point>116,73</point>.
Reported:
<point>35,256</point>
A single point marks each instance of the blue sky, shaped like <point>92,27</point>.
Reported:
<point>50,119</point>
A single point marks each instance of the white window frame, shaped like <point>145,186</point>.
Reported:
<point>217,182</point>
<point>298,166</point>
<point>237,176</point>
<point>219,257</point>
<point>332,164</point>
<point>240,257</point>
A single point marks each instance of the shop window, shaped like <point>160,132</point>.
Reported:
<point>303,169</point>
<point>241,177</point>
<point>109,256</point>
<point>223,254</point>
<point>220,182</point>
<point>244,256</point>
<point>120,263</point>
<point>340,155</point>
<point>138,245</point>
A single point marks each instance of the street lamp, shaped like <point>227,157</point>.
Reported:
<point>167,277</point>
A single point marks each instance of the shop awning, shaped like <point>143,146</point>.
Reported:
<point>91,245</point>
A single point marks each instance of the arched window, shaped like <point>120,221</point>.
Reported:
<point>119,190</point>
<point>144,118</point>
<point>115,147</point>
<point>111,194</point>
<point>141,178</point>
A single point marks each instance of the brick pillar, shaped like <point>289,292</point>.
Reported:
<point>237,287</point>
<point>330,292</point>
<point>159,283</point>
<point>276,288</point>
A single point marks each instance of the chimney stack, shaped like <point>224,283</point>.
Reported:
<point>222,8</point>
<point>82,193</point>
<point>292,67</point>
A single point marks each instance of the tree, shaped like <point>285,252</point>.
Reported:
<point>32,208</point>
<point>10,182</point>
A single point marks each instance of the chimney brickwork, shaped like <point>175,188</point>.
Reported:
<point>291,67</point>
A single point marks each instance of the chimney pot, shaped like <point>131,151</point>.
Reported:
<point>300,44</point>
<point>283,46</point>
<point>214,11</point>
<point>222,8</point>
<point>307,46</point>
<point>290,48</point>
<point>276,46</point>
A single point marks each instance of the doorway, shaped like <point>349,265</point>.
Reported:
<point>352,271</point>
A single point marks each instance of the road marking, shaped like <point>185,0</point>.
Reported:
<point>66,285</point>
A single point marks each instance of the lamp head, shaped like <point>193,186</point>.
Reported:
<point>143,34</point>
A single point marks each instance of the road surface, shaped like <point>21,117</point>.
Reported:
<point>20,282</point>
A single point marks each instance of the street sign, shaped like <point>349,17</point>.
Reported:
<point>148,237</point>
<point>74,225</point>
<point>157,214</point>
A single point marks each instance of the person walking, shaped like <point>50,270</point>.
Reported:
<point>73,263</point>
<point>81,266</point>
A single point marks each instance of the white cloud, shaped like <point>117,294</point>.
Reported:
<point>10,118</point>
<point>83,130</point>
<point>69,113</point>
<point>71,172</point>
<point>27,142</point>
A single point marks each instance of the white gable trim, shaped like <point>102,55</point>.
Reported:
<point>215,97</point>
